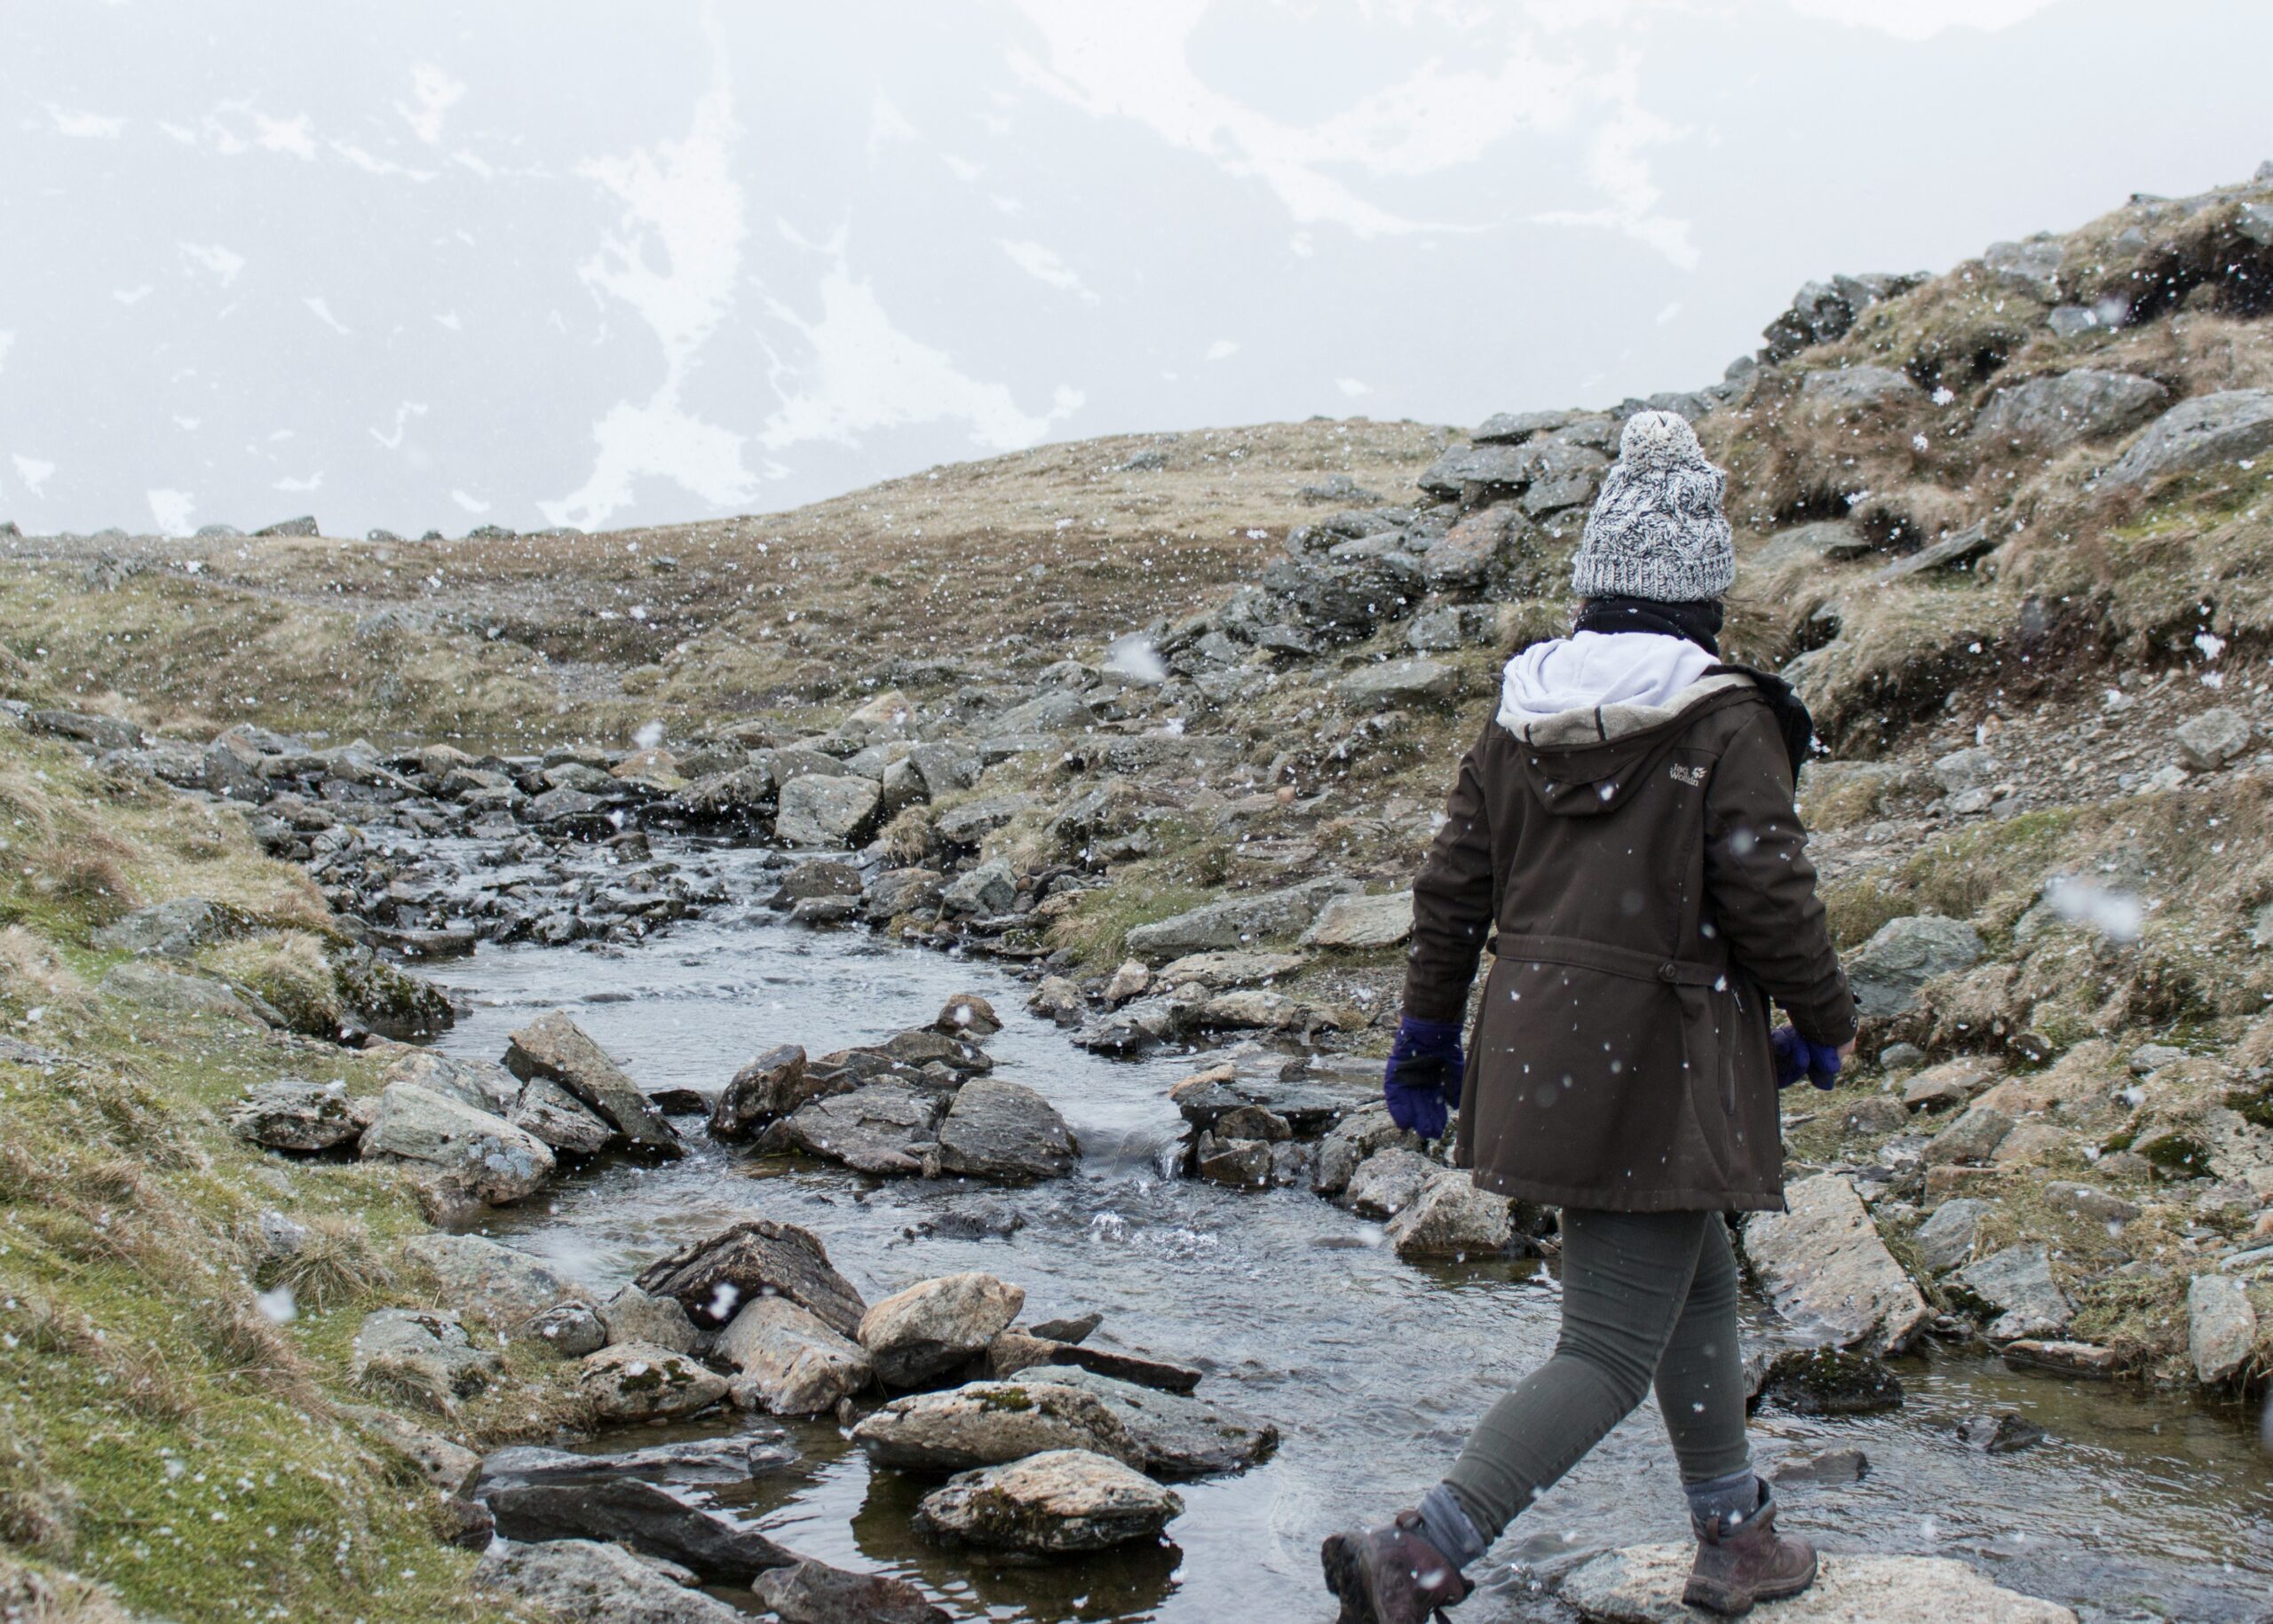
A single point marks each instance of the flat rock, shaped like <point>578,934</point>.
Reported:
<point>1237,922</point>
<point>716,1462</point>
<point>642,1381</point>
<point>1451,1217</point>
<point>754,1257</point>
<point>426,1357</point>
<point>1950,1084</point>
<point>651,1517</point>
<point>1644,1585</point>
<point>1361,923</point>
<point>1180,1436</point>
<point>1057,1503</point>
<point>2089,1201</point>
<point>1824,1266</point>
<point>1903,954</point>
<point>810,1592</point>
<point>1310,1105</point>
<point>1971,1139</point>
<point>587,1581</point>
<point>487,1282</point>
<point>484,1154</point>
<point>791,1363</point>
<point>2081,1359</point>
<point>1220,971</point>
<point>2017,1283</point>
<point>2209,432</point>
<point>300,1116</point>
<point>184,994</point>
<point>1006,1132</point>
<point>1014,1351</point>
<point>881,1128</point>
<point>555,1047</point>
<point>986,1423</point>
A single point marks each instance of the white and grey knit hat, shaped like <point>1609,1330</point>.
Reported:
<point>1657,530</point>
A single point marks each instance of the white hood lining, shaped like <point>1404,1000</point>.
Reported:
<point>1598,685</point>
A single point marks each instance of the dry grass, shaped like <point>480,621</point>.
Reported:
<point>291,972</point>
<point>336,1264</point>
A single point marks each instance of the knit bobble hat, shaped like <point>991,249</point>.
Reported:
<point>1657,530</point>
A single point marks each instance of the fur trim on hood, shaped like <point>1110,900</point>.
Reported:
<point>1596,686</point>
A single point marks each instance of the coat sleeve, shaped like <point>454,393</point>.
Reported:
<point>1452,902</point>
<point>1760,885</point>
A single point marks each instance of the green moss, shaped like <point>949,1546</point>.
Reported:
<point>2175,1155</point>
<point>1011,1399</point>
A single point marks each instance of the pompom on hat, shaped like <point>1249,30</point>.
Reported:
<point>1657,530</point>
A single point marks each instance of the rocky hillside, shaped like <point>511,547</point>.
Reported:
<point>1164,721</point>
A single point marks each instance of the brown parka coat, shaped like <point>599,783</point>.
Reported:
<point>1639,872</point>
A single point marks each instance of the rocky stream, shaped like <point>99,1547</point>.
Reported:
<point>1348,1374</point>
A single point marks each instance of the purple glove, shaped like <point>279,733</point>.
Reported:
<point>1797,1056</point>
<point>1422,1080</point>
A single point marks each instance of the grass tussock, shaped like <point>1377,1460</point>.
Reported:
<point>290,972</point>
<point>335,1264</point>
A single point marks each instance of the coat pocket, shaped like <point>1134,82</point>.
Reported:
<point>1708,1058</point>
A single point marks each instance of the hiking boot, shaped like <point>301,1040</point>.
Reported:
<point>1743,1560</point>
<point>1390,1575</point>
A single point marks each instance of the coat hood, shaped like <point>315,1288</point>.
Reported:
<point>1594,708</point>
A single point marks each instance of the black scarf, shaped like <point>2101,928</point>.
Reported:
<point>1699,622</point>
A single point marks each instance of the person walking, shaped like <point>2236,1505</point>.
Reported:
<point>1623,838</point>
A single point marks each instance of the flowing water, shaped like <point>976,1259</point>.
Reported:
<point>2137,1507</point>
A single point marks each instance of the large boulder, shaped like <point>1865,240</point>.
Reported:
<point>2047,413</point>
<point>1006,1132</point>
<point>1181,1437</point>
<point>810,1592</point>
<point>176,927</point>
<point>651,1517</point>
<point>2209,432</point>
<point>934,1326</point>
<point>1644,1586</point>
<point>1237,921</point>
<point>1841,390</point>
<point>554,1047</point>
<point>1824,1267</point>
<point>791,1364</point>
<point>712,1278</point>
<point>831,812</point>
<point>1903,954</point>
<point>588,1581</point>
<point>485,1155</point>
<point>988,1422</point>
<point>643,1381</point>
<point>1390,1181</point>
<point>1057,1503</point>
<point>489,1282</point>
<point>632,1315</point>
<point>300,1116</point>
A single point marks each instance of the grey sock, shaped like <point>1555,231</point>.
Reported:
<point>1448,1529</point>
<point>1731,1499</point>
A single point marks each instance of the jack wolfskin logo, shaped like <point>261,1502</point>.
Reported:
<point>1692,776</point>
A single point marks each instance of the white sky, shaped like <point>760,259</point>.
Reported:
<point>566,261</point>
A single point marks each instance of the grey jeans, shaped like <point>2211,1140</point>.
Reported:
<point>1646,1296</point>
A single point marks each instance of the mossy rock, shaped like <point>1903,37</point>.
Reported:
<point>1830,1382</point>
<point>2175,1155</point>
<point>390,1002</point>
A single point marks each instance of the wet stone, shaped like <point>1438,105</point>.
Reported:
<point>713,1462</point>
<point>2000,1434</point>
<point>1060,1503</point>
<point>711,1279</point>
<point>987,1424</point>
<point>810,1592</point>
<point>641,1380</point>
<point>1829,1382</point>
<point>650,1517</point>
<point>791,1364</point>
<point>591,1581</point>
<point>936,1325</point>
<point>1180,1436</point>
<point>1826,1466</point>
